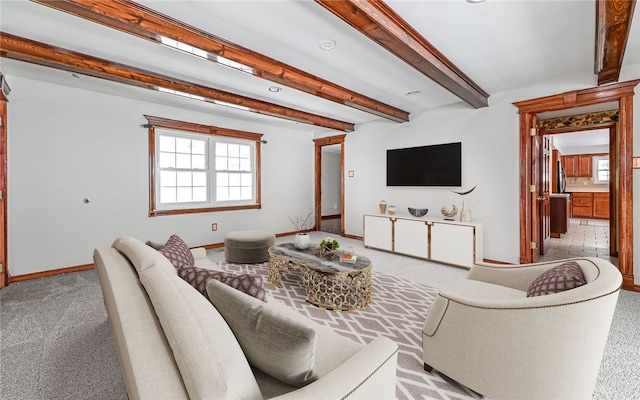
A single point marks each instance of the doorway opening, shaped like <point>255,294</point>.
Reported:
<point>329,184</point>
<point>621,163</point>
<point>331,190</point>
<point>581,187</point>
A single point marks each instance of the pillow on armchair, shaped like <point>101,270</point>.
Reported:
<point>565,276</point>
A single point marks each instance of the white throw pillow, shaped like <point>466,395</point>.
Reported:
<point>275,344</point>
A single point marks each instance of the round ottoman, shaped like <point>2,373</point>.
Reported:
<point>248,247</point>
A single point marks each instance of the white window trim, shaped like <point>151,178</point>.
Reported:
<point>594,162</point>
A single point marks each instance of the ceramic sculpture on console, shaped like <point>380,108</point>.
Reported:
<point>449,214</point>
<point>391,209</point>
<point>465,214</point>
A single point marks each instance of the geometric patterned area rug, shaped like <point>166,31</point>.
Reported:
<point>397,311</point>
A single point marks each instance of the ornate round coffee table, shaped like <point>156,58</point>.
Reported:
<point>329,283</point>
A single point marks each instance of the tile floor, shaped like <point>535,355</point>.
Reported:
<point>586,237</point>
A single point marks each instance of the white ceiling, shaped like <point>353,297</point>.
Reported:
<point>583,142</point>
<point>501,45</point>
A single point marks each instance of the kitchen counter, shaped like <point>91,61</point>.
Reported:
<point>560,195</point>
<point>589,190</point>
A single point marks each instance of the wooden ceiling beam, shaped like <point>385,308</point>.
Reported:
<point>146,23</point>
<point>376,20</point>
<point>613,24</point>
<point>18,48</point>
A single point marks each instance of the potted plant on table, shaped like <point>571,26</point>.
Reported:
<point>303,225</point>
<point>328,246</point>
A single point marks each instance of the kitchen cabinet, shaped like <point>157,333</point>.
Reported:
<point>590,204</point>
<point>578,165</point>
<point>601,205</point>
<point>582,204</point>
<point>584,165</point>
<point>450,242</point>
<point>560,211</point>
<point>570,164</point>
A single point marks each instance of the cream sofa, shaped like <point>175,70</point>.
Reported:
<point>485,333</point>
<point>172,343</point>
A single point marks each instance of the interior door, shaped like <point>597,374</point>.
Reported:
<point>543,186</point>
<point>533,192</point>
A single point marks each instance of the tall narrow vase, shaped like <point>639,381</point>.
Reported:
<point>383,207</point>
<point>465,214</point>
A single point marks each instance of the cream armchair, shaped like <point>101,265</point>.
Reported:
<point>486,334</point>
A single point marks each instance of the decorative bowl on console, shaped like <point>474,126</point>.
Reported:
<point>418,212</point>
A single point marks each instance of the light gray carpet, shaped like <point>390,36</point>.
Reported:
<point>56,341</point>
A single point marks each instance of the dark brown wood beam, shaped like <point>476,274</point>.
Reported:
<point>613,24</point>
<point>143,22</point>
<point>376,20</point>
<point>18,48</point>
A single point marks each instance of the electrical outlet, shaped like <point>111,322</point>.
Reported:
<point>214,226</point>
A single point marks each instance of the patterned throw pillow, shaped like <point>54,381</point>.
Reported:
<point>177,251</point>
<point>246,283</point>
<point>558,279</point>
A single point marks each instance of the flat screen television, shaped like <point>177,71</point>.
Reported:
<point>433,165</point>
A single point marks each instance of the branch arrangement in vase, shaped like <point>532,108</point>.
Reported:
<point>302,224</point>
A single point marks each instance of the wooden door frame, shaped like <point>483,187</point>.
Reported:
<point>319,144</point>
<point>623,93</point>
<point>4,270</point>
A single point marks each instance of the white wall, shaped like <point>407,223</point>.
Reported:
<point>67,144</point>
<point>488,161</point>
<point>490,152</point>
<point>331,193</point>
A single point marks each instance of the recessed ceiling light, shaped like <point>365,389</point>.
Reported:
<point>275,89</point>
<point>474,1</point>
<point>413,93</point>
<point>327,44</point>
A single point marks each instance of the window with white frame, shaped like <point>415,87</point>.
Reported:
<point>202,172</point>
<point>182,169</point>
<point>600,169</point>
<point>234,171</point>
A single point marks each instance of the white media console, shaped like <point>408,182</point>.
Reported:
<point>450,242</point>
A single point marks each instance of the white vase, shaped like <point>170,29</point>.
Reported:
<point>302,241</point>
<point>465,214</point>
